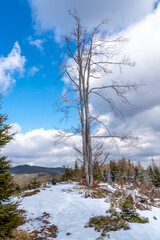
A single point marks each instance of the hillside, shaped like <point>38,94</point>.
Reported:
<point>26,169</point>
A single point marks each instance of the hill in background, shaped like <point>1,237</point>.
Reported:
<point>27,169</point>
<point>25,175</point>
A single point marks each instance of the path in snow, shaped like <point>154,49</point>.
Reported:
<point>69,211</point>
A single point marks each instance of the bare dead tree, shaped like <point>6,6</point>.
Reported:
<point>100,153</point>
<point>89,57</point>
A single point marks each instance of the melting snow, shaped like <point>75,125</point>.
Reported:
<point>69,211</point>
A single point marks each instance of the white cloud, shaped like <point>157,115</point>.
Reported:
<point>36,147</point>
<point>32,71</point>
<point>15,128</point>
<point>141,24</point>
<point>143,117</point>
<point>37,43</point>
<point>9,66</point>
<point>53,15</point>
<point>143,34</point>
<point>143,47</point>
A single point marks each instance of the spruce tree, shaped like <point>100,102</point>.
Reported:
<point>9,217</point>
<point>76,168</point>
<point>150,174</point>
<point>97,173</point>
<point>156,173</point>
<point>113,170</point>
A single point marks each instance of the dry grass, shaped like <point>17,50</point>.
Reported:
<point>28,194</point>
<point>47,230</point>
<point>20,235</point>
<point>83,183</point>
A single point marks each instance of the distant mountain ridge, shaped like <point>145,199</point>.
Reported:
<point>27,169</point>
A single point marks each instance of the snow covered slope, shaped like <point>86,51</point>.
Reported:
<point>70,211</point>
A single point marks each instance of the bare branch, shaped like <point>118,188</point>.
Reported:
<point>95,54</point>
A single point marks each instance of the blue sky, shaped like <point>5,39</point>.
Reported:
<point>31,32</point>
<point>30,100</point>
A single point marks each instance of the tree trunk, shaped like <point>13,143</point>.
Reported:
<point>130,195</point>
<point>92,59</point>
<point>88,143</point>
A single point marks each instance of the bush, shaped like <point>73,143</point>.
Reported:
<point>116,220</point>
<point>34,184</point>
<point>69,174</point>
<point>105,224</point>
<point>128,213</point>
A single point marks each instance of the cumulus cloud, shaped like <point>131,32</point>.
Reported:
<point>149,146</point>
<point>141,25</point>
<point>143,47</point>
<point>143,34</point>
<point>15,128</point>
<point>53,15</point>
<point>9,66</point>
<point>142,117</point>
<point>36,147</point>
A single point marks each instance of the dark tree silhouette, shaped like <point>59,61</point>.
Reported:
<point>9,217</point>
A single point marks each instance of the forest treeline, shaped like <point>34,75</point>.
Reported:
<point>121,171</point>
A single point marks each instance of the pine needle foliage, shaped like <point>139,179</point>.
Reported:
<point>9,217</point>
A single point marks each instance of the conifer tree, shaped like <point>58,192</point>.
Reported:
<point>113,170</point>
<point>140,172</point>
<point>9,217</point>
<point>156,173</point>
<point>97,173</point>
<point>150,174</point>
<point>136,173</point>
<point>76,168</point>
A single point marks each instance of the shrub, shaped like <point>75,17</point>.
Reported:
<point>116,220</point>
<point>105,224</point>
<point>128,213</point>
<point>32,185</point>
<point>69,174</point>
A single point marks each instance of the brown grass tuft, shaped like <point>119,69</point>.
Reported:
<point>28,194</point>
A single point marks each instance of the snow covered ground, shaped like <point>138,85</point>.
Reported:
<point>70,211</point>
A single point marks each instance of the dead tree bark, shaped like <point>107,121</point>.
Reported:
<point>90,59</point>
<point>130,195</point>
